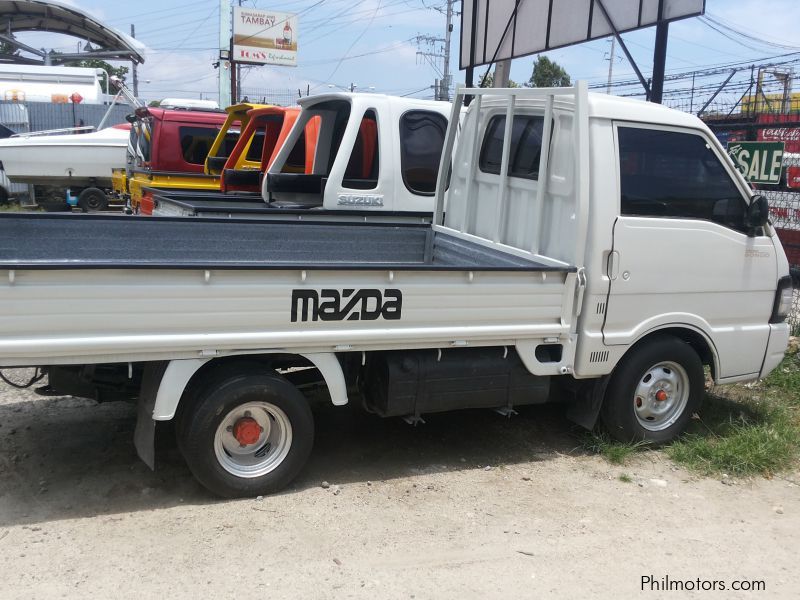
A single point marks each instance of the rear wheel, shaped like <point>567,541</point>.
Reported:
<point>654,391</point>
<point>246,435</point>
<point>92,200</point>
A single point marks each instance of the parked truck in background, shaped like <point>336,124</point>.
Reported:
<point>585,249</point>
<point>168,148</point>
<point>373,156</point>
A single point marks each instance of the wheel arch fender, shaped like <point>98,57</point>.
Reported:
<point>586,410</point>
<point>179,373</point>
<point>696,337</point>
<point>165,383</point>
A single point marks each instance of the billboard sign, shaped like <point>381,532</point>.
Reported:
<point>264,37</point>
<point>759,162</point>
<point>514,28</point>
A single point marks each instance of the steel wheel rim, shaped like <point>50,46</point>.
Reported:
<point>661,396</point>
<point>264,455</point>
<point>94,202</point>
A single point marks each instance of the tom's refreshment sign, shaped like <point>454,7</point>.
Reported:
<point>264,37</point>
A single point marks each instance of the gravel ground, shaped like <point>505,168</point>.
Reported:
<point>470,505</point>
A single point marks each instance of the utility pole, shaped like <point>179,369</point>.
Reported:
<point>435,52</point>
<point>611,64</point>
<point>502,74</point>
<point>134,67</point>
<point>445,83</point>
<point>238,87</point>
<point>225,66</point>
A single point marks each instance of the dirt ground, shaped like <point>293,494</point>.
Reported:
<point>469,505</point>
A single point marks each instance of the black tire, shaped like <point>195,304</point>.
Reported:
<point>92,200</point>
<point>627,416</point>
<point>199,421</point>
<point>3,197</point>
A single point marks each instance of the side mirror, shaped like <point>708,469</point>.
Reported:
<point>757,214</point>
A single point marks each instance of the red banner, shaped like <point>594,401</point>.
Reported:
<point>789,134</point>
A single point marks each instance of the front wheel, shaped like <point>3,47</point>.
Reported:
<point>654,392</point>
<point>247,435</point>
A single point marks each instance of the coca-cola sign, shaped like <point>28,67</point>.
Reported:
<point>786,129</point>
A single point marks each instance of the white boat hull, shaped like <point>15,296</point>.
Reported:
<point>65,160</point>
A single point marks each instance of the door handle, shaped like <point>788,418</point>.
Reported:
<point>612,266</point>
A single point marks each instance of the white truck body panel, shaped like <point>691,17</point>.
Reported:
<point>74,317</point>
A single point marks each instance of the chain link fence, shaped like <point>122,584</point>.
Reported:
<point>268,96</point>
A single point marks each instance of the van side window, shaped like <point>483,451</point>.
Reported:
<point>362,168</point>
<point>526,146</point>
<point>671,174</point>
<point>196,142</point>
<point>421,140</point>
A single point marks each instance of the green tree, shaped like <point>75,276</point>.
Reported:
<point>488,81</point>
<point>548,73</point>
<point>95,63</point>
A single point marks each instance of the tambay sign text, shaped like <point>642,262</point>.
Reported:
<point>264,37</point>
<point>759,162</point>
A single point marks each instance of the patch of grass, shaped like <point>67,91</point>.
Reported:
<point>15,207</point>
<point>625,478</point>
<point>785,380</point>
<point>615,452</point>
<point>759,433</point>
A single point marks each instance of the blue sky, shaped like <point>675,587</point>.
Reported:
<point>369,43</point>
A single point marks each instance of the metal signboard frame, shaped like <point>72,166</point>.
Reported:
<point>496,30</point>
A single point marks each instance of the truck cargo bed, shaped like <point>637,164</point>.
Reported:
<point>44,241</point>
<point>183,203</point>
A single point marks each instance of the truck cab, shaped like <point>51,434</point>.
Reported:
<point>171,150</point>
<point>261,139</point>
<point>230,132</point>
<point>374,152</point>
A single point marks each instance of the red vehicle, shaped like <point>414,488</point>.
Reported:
<point>170,151</point>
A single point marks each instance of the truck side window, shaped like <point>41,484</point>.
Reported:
<point>526,146</point>
<point>256,147</point>
<point>144,141</point>
<point>196,142</point>
<point>672,174</point>
<point>363,167</point>
<point>421,140</point>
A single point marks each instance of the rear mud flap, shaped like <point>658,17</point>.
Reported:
<point>144,437</point>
